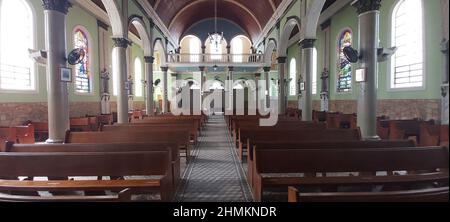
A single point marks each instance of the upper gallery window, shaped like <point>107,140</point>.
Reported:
<point>293,77</point>
<point>16,38</point>
<point>138,77</point>
<point>407,35</point>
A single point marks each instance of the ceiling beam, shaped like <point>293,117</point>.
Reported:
<point>273,5</point>
<point>157,20</point>
<point>174,19</point>
<point>157,4</point>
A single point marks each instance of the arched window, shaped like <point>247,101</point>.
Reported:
<point>138,77</point>
<point>314,72</point>
<point>237,46</point>
<point>407,35</point>
<point>82,70</point>
<point>344,67</point>
<point>194,49</point>
<point>293,77</point>
<point>115,78</point>
<point>216,47</point>
<point>217,85</point>
<point>16,37</point>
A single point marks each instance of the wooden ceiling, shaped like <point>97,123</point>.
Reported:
<point>180,15</point>
<point>251,15</point>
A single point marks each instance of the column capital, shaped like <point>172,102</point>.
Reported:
<point>267,69</point>
<point>202,68</point>
<point>307,43</point>
<point>164,68</point>
<point>231,68</point>
<point>363,6</point>
<point>282,60</point>
<point>121,42</point>
<point>149,59</point>
<point>174,74</point>
<point>257,75</point>
<point>57,5</point>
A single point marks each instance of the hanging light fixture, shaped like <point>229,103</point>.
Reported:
<point>215,37</point>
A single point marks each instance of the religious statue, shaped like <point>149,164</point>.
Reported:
<point>104,76</point>
<point>325,81</point>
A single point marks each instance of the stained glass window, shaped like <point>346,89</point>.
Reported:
<point>16,37</point>
<point>344,67</point>
<point>82,70</point>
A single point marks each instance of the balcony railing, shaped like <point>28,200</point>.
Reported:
<point>216,58</point>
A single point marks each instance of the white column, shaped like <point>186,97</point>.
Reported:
<point>149,102</point>
<point>166,90</point>
<point>282,87</point>
<point>120,70</point>
<point>369,23</point>
<point>257,78</point>
<point>55,13</point>
<point>308,52</point>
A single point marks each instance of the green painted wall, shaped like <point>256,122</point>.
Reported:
<point>348,18</point>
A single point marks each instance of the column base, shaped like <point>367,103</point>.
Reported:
<point>52,141</point>
<point>371,138</point>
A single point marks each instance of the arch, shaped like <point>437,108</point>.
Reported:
<point>191,45</point>
<point>268,52</point>
<point>158,45</point>
<point>115,18</point>
<point>291,23</point>
<point>143,33</point>
<point>312,19</point>
<point>244,49</point>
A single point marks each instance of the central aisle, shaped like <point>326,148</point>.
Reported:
<point>214,173</point>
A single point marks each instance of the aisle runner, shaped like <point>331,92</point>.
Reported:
<point>215,173</point>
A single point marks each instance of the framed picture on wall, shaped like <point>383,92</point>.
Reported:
<point>66,74</point>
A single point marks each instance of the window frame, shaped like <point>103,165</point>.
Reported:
<point>424,51</point>
<point>34,66</point>
<point>137,58</point>
<point>91,76</point>
<point>293,61</point>
<point>337,54</point>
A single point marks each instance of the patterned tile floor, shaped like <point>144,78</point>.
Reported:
<point>215,173</point>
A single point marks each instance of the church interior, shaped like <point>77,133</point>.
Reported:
<point>170,101</point>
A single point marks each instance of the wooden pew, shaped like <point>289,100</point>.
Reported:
<point>403,129</point>
<point>322,144</point>
<point>178,136</point>
<point>169,121</point>
<point>444,136</point>
<point>429,134</point>
<point>244,132</point>
<point>273,168</point>
<point>113,147</point>
<point>63,165</point>
<point>319,116</point>
<point>19,134</point>
<point>40,131</point>
<point>157,127</point>
<point>300,135</point>
<point>434,195</point>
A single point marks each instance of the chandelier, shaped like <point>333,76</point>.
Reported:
<point>215,37</point>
